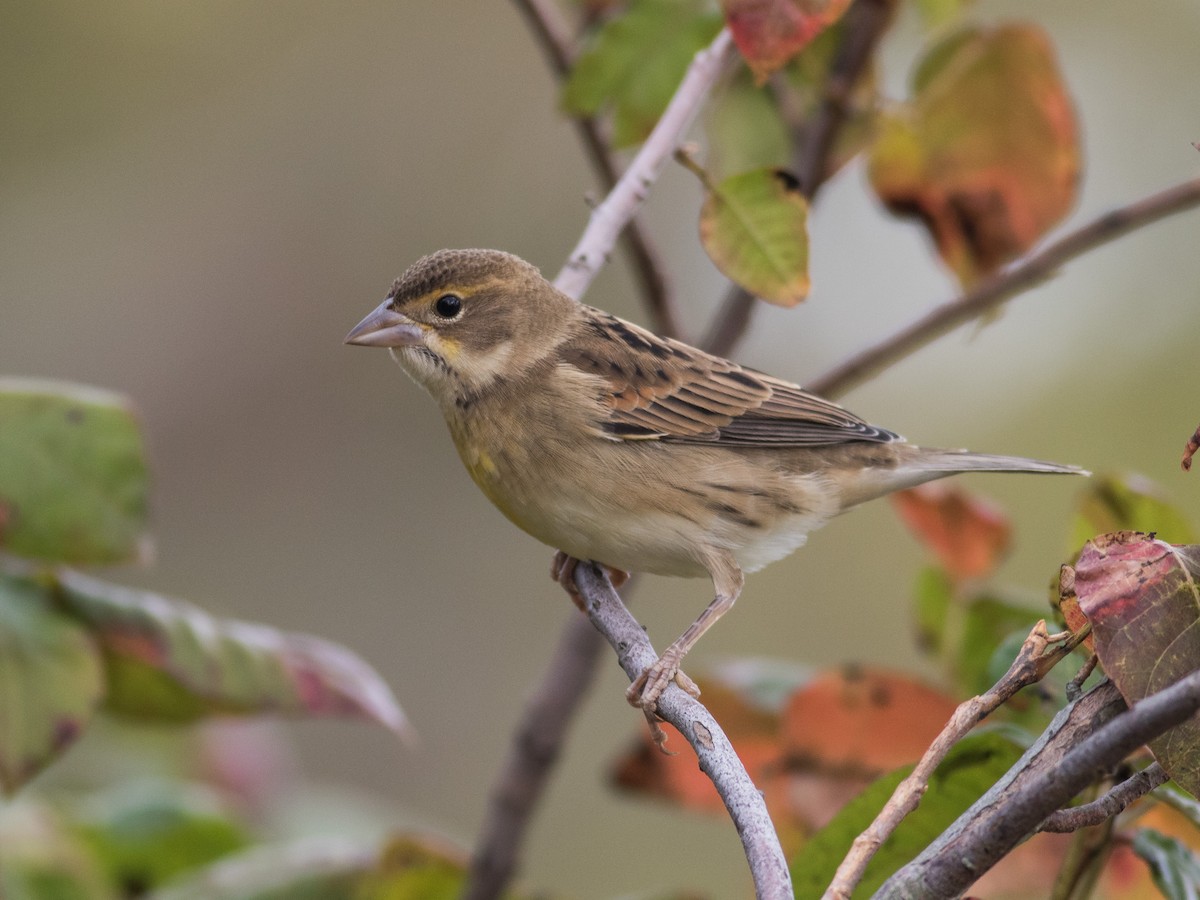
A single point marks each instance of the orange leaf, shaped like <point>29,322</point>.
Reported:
<point>986,154</point>
<point>968,535</point>
<point>770,32</point>
<point>867,721</point>
<point>1068,605</point>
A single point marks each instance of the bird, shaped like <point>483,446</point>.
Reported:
<point>638,452</point>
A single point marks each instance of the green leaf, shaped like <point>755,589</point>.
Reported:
<point>991,624</point>
<point>637,62</point>
<point>1183,803</point>
<point>324,869</point>
<point>170,659</point>
<point>42,859</point>
<point>933,595</point>
<point>73,483</point>
<point>1129,503</point>
<point>51,681</point>
<point>745,128</point>
<point>410,867</point>
<point>1173,865</point>
<point>936,13</point>
<point>972,767</point>
<point>146,833</point>
<point>754,226</point>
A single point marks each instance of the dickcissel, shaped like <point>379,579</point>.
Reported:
<point>642,453</point>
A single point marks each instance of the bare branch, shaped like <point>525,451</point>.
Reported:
<point>553,34</point>
<point>718,761</point>
<point>864,24</point>
<point>1111,804</point>
<point>1043,780</point>
<point>533,753</point>
<point>862,27</point>
<point>1038,655</point>
<point>1023,275</point>
<point>623,201</point>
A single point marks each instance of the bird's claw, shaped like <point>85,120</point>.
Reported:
<point>562,570</point>
<point>648,687</point>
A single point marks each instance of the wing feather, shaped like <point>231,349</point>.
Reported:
<point>660,389</point>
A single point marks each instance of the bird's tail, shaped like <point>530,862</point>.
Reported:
<point>919,465</point>
<point>951,461</point>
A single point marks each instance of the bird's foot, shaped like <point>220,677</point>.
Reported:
<point>562,570</point>
<point>648,687</point>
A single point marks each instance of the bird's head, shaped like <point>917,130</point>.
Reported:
<point>460,321</point>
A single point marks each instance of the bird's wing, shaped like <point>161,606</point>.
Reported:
<point>660,389</point>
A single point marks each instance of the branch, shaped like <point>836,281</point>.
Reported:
<point>533,753</point>
<point>1036,657</point>
<point>553,34</point>
<point>1022,276</point>
<point>1043,780</point>
<point>611,216</point>
<point>548,713</point>
<point>864,24</point>
<point>718,761</point>
<point>1111,804</point>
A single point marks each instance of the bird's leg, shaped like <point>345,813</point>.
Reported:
<point>648,687</point>
<point>562,570</point>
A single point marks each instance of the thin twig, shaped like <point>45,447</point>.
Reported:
<point>1075,685</point>
<point>1040,652</point>
<point>1088,852</point>
<point>553,35</point>
<point>989,294</point>
<point>1111,804</point>
<point>716,755</point>
<point>863,25</point>
<point>533,753</point>
<point>1012,810</point>
<point>623,201</point>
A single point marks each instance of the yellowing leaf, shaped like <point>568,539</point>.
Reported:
<point>986,154</point>
<point>754,227</point>
<point>770,32</point>
<point>1129,503</point>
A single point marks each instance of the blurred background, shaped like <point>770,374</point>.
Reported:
<point>197,201</point>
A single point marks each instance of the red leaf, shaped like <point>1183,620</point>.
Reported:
<point>968,535</point>
<point>1142,598</point>
<point>770,32</point>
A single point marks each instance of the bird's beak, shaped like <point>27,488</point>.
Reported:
<point>384,327</point>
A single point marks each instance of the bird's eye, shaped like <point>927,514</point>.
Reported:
<point>448,306</point>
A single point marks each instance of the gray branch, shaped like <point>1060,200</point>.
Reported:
<point>1085,740</point>
<point>768,866</point>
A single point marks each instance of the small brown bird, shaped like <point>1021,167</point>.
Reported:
<point>638,452</point>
